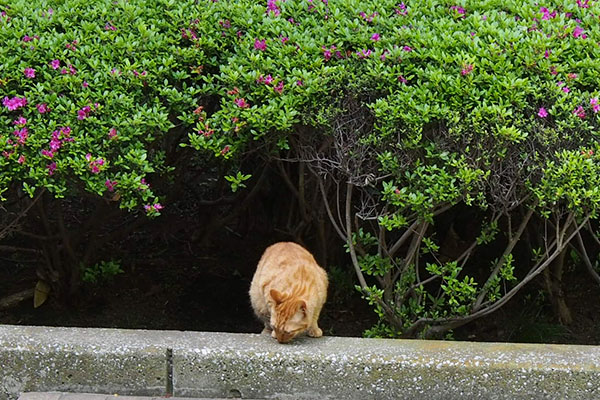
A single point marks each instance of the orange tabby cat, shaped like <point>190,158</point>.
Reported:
<point>288,291</point>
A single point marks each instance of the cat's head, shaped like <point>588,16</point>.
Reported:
<point>288,316</point>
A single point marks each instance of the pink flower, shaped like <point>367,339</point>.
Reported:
<point>467,69</point>
<point>240,102</point>
<point>14,103</point>
<point>407,48</point>
<point>47,153</point>
<point>27,38</point>
<point>94,164</point>
<point>368,18</point>
<point>268,79</point>
<point>51,168</point>
<point>112,133</point>
<point>21,159</point>
<point>546,14</point>
<point>563,87</point>
<point>55,64</point>
<point>375,37</point>
<point>279,87</point>
<point>84,113</point>
<point>156,207</point>
<point>584,4</point>
<point>327,52</point>
<point>595,105</point>
<point>578,32</point>
<point>572,76</point>
<point>542,113</point>
<point>109,27</point>
<point>284,39</point>
<point>299,83</point>
<point>579,111</point>
<point>225,150</point>
<point>21,135</point>
<point>459,10</point>
<point>85,84</point>
<point>110,185</point>
<point>273,8</point>
<point>260,44</point>
<point>42,108</point>
<point>401,10</point>
<point>546,53</point>
<point>402,79</point>
<point>363,53</point>
<point>20,121</point>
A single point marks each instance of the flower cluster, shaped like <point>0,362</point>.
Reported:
<point>57,139</point>
<point>14,103</point>
<point>95,164</point>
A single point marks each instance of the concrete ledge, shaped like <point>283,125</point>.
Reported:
<point>189,364</point>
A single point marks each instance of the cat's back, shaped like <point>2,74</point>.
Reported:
<point>286,258</point>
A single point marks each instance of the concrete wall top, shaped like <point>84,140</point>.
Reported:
<point>201,364</point>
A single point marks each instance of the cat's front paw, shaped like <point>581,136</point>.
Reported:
<point>315,332</point>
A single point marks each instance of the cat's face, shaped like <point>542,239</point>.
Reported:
<point>288,318</point>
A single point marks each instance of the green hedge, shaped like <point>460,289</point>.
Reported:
<point>429,105</point>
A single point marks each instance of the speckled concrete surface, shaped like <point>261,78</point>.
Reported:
<point>351,368</point>
<point>88,396</point>
<point>216,365</point>
<point>81,360</point>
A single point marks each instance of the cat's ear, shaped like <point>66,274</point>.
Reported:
<point>277,296</point>
<point>302,307</point>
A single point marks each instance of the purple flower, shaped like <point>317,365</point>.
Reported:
<point>595,105</point>
<point>29,72</point>
<point>459,10</point>
<point>579,111</point>
<point>467,69</point>
<point>401,10</point>
<point>14,103</point>
<point>542,113</point>
<point>578,32</point>
<point>42,108</point>
<point>273,8</point>
<point>20,121</point>
<point>402,79</point>
<point>51,168</point>
<point>55,64</point>
<point>327,52</point>
<point>84,113</point>
<point>156,207</point>
<point>279,87</point>
<point>47,153</point>
<point>546,14</point>
<point>240,102</point>
<point>407,48</point>
<point>260,44</point>
<point>362,54</point>
<point>21,135</point>
<point>110,185</point>
<point>375,37</point>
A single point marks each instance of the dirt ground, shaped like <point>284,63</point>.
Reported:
<point>184,290</point>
